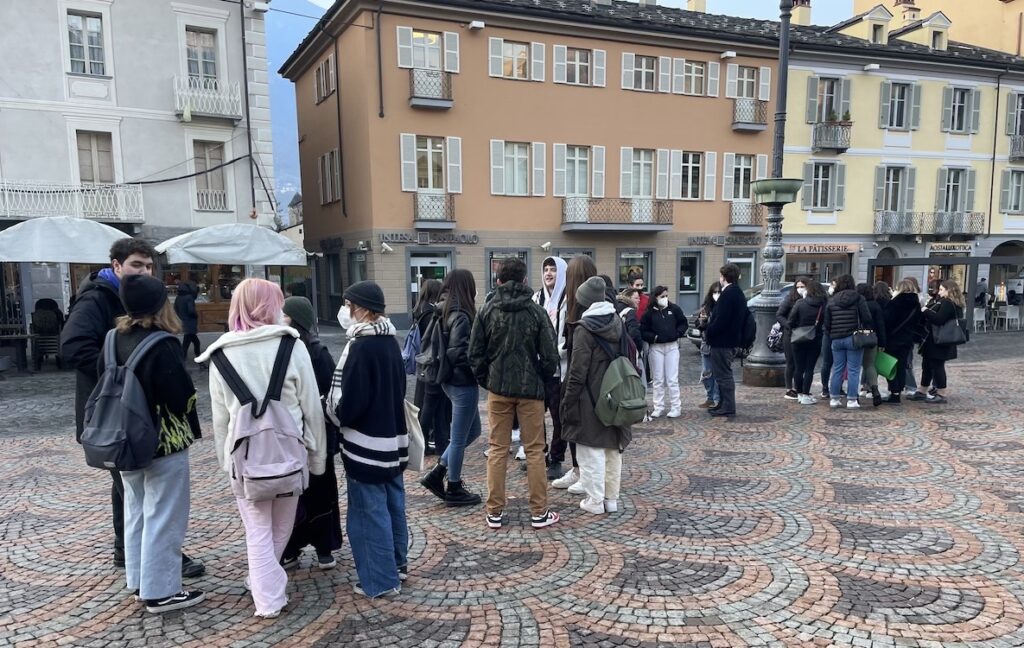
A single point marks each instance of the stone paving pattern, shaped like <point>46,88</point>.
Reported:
<point>789,526</point>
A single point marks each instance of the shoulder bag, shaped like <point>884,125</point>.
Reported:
<point>864,338</point>
<point>804,334</point>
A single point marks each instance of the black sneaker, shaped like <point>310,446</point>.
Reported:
<point>433,481</point>
<point>917,396</point>
<point>325,561</point>
<point>191,568</point>
<point>179,601</point>
<point>494,520</point>
<point>824,394</point>
<point>289,562</point>
<point>791,395</point>
<point>936,399</point>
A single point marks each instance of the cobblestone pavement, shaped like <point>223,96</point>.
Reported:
<point>790,526</point>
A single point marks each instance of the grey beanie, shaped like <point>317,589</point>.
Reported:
<point>591,292</point>
<point>300,310</point>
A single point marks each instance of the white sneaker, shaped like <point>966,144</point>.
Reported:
<point>675,414</point>
<point>883,393</point>
<point>834,403</point>
<point>658,413</point>
<point>852,404</point>
<point>517,436</point>
<point>804,399</point>
<point>567,480</point>
<point>577,488</point>
<point>521,455</point>
<point>611,506</point>
<point>592,506</point>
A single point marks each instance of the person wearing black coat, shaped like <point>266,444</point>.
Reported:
<point>782,318</point>
<point>902,321</point>
<point>435,409</point>
<point>877,324</point>
<point>185,308</point>
<point>661,326</point>
<point>846,313</point>
<point>626,308</point>
<point>724,334</point>
<point>947,306</point>
<point>808,311</point>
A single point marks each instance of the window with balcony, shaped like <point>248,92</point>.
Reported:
<point>643,173</point>
<point>693,78</point>
<point>577,66</point>
<point>201,57</point>
<point>899,106</point>
<point>517,169</point>
<point>210,186</point>
<point>746,82</point>
<point>893,193</point>
<point>426,50</point>
<point>954,193</point>
<point>821,186</point>
<point>742,176</point>
<point>1014,192</point>
<point>95,157</point>
<point>644,73</point>
<point>828,100</point>
<point>85,43</point>
<point>1017,115</point>
<point>577,170</point>
<point>430,163</point>
<point>515,60</point>
<point>691,175</point>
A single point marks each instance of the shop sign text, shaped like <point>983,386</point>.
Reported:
<point>430,238</point>
<point>722,240</point>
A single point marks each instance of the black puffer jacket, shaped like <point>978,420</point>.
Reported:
<point>785,309</point>
<point>878,319</point>
<point>809,311</point>
<point>459,327</point>
<point>902,321</point>
<point>846,312</point>
<point>663,325</point>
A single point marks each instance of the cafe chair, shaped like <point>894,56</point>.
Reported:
<point>980,317</point>
<point>1012,314</point>
<point>47,321</point>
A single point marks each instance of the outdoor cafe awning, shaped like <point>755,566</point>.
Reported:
<point>234,243</point>
<point>58,239</point>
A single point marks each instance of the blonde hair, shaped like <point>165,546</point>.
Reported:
<point>954,293</point>
<point>906,286</point>
<point>165,319</point>
<point>255,303</point>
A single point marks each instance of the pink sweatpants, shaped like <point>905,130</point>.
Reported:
<point>268,525</point>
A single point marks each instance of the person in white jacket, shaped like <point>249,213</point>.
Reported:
<point>251,347</point>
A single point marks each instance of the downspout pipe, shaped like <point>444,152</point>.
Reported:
<point>248,100</point>
<point>995,146</point>
<point>380,63</point>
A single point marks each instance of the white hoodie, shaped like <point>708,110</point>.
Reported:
<point>252,354</point>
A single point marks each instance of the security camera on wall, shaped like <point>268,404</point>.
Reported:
<point>386,249</point>
<point>546,246</point>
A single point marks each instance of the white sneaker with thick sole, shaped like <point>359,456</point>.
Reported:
<point>852,404</point>
<point>807,400</point>
<point>567,480</point>
<point>592,506</point>
<point>521,455</point>
<point>577,488</point>
<point>675,414</point>
<point>834,403</point>
<point>611,506</point>
<point>658,413</point>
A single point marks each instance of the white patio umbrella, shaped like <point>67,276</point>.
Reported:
<point>58,239</point>
<point>234,243</point>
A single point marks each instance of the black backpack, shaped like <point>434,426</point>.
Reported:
<point>432,360</point>
<point>119,432</point>
<point>749,335</point>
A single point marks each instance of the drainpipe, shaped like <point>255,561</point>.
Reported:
<point>337,98</point>
<point>248,120</point>
<point>380,64</point>
<point>995,145</point>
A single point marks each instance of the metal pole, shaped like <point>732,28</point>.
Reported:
<point>764,367</point>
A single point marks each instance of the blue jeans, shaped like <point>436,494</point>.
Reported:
<point>465,426</point>
<point>708,379</point>
<point>845,357</point>
<point>377,532</point>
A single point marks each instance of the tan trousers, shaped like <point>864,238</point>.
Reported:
<point>501,411</point>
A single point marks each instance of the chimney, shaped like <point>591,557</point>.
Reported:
<point>648,3</point>
<point>911,13</point>
<point>697,5</point>
<point>801,12</point>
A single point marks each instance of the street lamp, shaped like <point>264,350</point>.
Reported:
<point>764,367</point>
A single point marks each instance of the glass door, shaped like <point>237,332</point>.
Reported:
<point>426,265</point>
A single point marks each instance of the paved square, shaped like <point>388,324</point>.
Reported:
<point>791,526</point>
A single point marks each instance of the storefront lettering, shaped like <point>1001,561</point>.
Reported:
<point>429,238</point>
<point>722,240</point>
<point>821,248</point>
<point>963,248</point>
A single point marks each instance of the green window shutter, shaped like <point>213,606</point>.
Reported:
<point>910,190</point>
<point>845,97</point>
<point>1011,113</point>
<point>972,178</point>
<point>879,188</point>
<point>839,187</point>
<point>915,106</point>
<point>808,190</point>
<point>947,108</point>
<point>1004,194</point>
<point>812,100</point>
<point>975,111</point>
<point>940,190</point>
<point>883,105</point>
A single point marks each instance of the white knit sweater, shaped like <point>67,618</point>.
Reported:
<point>252,354</point>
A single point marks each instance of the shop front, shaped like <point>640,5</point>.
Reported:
<point>943,272</point>
<point>822,262</point>
<point>215,284</point>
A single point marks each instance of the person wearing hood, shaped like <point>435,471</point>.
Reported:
<point>96,309</point>
<point>809,310</point>
<point>318,518</point>
<point>551,297</point>
<point>367,401</point>
<point>902,322</point>
<point>846,313</point>
<point>599,447</point>
<point>662,326</point>
<point>255,330</point>
<point>185,308</point>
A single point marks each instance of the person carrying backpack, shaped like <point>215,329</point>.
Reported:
<point>599,446</point>
<point>435,409</point>
<point>251,348</point>
<point>156,497</point>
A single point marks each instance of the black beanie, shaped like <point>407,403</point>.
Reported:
<point>300,310</point>
<point>142,295</point>
<point>366,294</point>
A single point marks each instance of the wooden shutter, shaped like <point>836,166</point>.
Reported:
<point>732,73</point>
<point>320,179</point>
<point>599,68</point>
<point>332,73</point>
<point>539,152</point>
<point>495,65</point>
<point>664,74</point>
<point>558,181</point>
<point>710,170</point>
<point>626,172</point>
<point>678,69</point>
<point>940,190</point>
<point>597,164</point>
<point>559,52</point>
<point>807,194</point>
<point>915,106</point>
<point>762,167</point>
<point>812,100</point>
<point>661,185</point>
<point>764,92</point>
<point>947,108</point>
<point>910,189</point>
<point>497,167</point>
<point>839,187</point>
<point>628,62</point>
<point>728,177</point>
<point>879,188</point>
<point>451,52</point>
<point>404,47</point>
<point>713,73</point>
<point>675,191</point>
<point>408,146</point>
<point>884,105</point>
<point>1004,194</point>
<point>975,111</point>
<point>968,200</point>
<point>537,61</point>
<point>845,97</point>
<point>454,145</point>
<point>1011,113</point>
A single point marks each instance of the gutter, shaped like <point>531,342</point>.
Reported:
<point>380,63</point>
<point>248,100</point>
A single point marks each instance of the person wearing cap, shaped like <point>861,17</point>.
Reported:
<point>599,447</point>
<point>318,519</point>
<point>367,402</point>
<point>156,498</point>
<point>255,329</point>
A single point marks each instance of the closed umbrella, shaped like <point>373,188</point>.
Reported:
<point>234,243</point>
<point>58,239</point>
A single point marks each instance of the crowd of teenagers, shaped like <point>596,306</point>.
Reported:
<point>283,409</point>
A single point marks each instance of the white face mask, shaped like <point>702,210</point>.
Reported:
<point>715,296</point>
<point>802,291</point>
<point>345,317</point>
<point>663,302</point>
<point>831,290</point>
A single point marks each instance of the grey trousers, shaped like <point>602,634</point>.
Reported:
<point>721,369</point>
<point>156,506</point>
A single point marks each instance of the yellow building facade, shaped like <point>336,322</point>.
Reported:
<point>995,24</point>
<point>909,145</point>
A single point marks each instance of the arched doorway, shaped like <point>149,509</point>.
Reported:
<point>886,274</point>
<point>1007,277</point>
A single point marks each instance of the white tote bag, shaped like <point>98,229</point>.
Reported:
<point>416,443</point>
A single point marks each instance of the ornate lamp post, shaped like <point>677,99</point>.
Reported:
<point>764,367</point>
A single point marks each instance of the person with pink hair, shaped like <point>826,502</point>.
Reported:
<point>255,320</point>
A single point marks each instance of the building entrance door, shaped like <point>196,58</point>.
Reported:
<point>426,265</point>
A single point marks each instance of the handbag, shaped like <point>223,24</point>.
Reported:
<point>417,446</point>
<point>949,333</point>
<point>885,365</point>
<point>804,334</point>
<point>775,338</point>
<point>864,338</point>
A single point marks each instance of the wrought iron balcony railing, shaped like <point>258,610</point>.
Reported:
<point>121,203</point>
<point>582,212</point>
<point>212,200</point>
<point>958,223</point>
<point>750,115</point>
<point>434,209</point>
<point>746,216</point>
<point>909,223</point>
<point>430,89</point>
<point>832,136</point>
<point>1017,147</point>
<point>207,97</point>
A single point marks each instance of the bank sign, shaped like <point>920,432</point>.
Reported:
<point>430,238</point>
<point>722,240</point>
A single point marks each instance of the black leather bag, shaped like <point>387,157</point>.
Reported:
<point>864,338</point>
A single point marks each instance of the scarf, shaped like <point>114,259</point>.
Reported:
<point>382,326</point>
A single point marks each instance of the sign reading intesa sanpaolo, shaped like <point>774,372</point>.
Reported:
<point>721,240</point>
<point>430,238</point>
